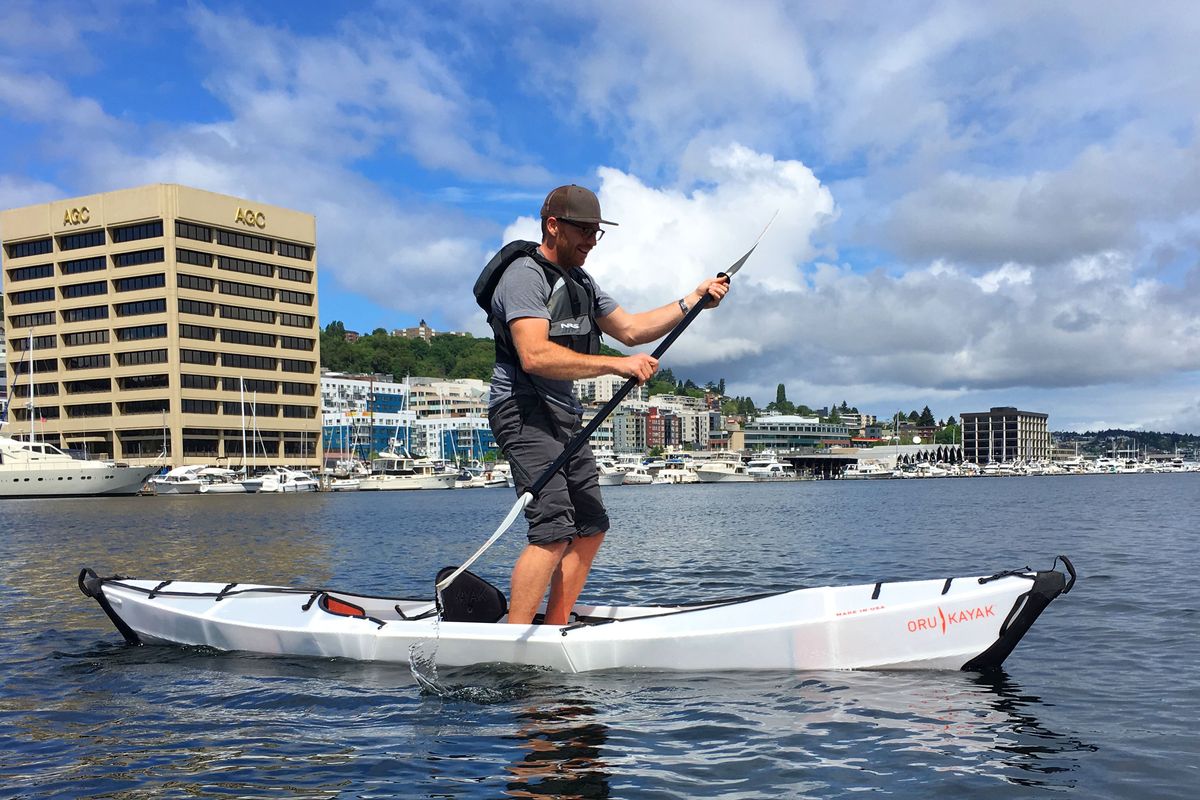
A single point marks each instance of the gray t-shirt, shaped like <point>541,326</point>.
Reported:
<point>523,291</point>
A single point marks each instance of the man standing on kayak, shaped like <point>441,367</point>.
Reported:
<point>547,314</point>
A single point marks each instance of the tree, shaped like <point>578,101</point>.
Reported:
<point>780,395</point>
<point>926,419</point>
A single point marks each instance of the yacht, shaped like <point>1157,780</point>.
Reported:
<point>724,470</point>
<point>180,480</point>
<point>39,469</point>
<point>610,475</point>
<point>676,474</point>
<point>866,470</point>
<point>395,470</point>
<point>776,471</point>
<point>219,480</point>
<point>282,480</point>
<point>638,476</point>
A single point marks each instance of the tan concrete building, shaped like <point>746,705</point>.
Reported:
<point>162,316</point>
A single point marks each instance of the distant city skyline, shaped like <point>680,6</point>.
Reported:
<point>978,205</point>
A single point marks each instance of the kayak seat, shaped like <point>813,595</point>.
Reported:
<point>470,599</point>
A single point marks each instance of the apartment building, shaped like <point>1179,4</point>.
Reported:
<point>164,318</point>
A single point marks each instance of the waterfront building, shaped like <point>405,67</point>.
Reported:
<point>1005,434</point>
<point>361,414</point>
<point>790,432</point>
<point>160,318</point>
<point>694,418</point>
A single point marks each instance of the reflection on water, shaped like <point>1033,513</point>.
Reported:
<point>561,744</point>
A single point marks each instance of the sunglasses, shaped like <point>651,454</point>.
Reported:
<point>588,230</point>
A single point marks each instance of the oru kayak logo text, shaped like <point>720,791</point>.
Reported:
<point>942,620</point>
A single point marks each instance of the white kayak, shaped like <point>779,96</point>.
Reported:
<point>970,623</point>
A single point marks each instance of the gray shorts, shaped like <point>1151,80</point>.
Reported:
<point>532,434</point>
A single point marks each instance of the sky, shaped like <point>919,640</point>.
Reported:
<point>978,204</point>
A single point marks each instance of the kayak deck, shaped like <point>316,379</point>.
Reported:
<point>947,623</point>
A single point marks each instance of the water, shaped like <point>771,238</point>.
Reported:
<point>1099,700</point>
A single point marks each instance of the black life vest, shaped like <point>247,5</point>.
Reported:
<point>572,305</point>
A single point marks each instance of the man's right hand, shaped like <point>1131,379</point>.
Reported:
<point>639,365</point>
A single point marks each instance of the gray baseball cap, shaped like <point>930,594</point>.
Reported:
<point>574,204</point>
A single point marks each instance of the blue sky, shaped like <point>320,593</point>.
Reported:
<point>978,206</point>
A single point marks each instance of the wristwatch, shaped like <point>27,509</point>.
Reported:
<point>683,306</point>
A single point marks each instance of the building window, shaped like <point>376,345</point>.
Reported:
<point>24,343</point>
<point>193,257</point>
<point>296,365</point>
<point>37,247</point>
<point>302,389</point>
<point>85,314</point>
<point>196,307</point>
<point>85,289</point>
<point>300,412</point>
<point>39,389</point>
<point>199,406</point>
<point>85,337</point>
<point>145,406</point>
<point>142,307</point>
<point>90,410</point>
<point>194,282</point>
<point>295,343</point>
<point>84,387</point>
<point>246,290</point>
<point>248,314</point>
<point>82,265</point>
<point>298,275</point>
<point>230,336</point>
<point>198,357</point>
<point>31,273</point>
<point>243,240</point>
<point>198,381</point>
<point>186,230</point>
<point>248,267</point>
<point>39,365</point>
<point>300,251</point>
<point>78,241</point>
<point>138,357</point>
<point>156,281</point>
<point>239,361</point>
<point>197,332</point>
<point>146,230</point>
<point>138,257</point>
<point>296,320</point>
<point>249,385</point>
<point>32,320</point>
<point>135,382</point>
<point>141,332</point>
<point>31,296</point>
<point>98,361</point>
<point>297,298</point>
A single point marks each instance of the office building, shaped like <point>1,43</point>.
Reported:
<point>164,318</point>
<point>1005,434</point>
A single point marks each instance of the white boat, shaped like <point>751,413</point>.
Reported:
<point>638,476</point>
<point>770,469</point>
<point>866,470</point>
<point>968,623</point>
<point>724,470</point>
<point>180,480</point>
<point>282,480</point>
<point>609,474</point>
<point>39,469</point>
<point>676,474</point>
<point>219,480</point>
<point>398,471</point>
<point>344,484</point>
